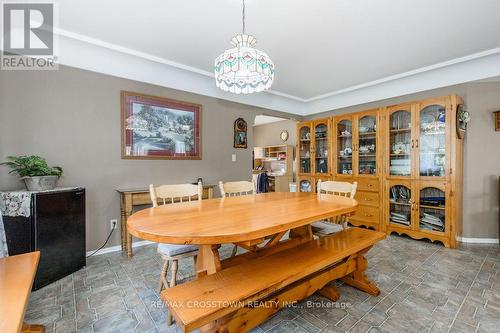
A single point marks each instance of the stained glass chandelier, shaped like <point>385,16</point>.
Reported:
<point>243,69</point>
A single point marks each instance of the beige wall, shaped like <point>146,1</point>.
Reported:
<point>481,155</point>
<point>72,117</point>
<point>269,134</point>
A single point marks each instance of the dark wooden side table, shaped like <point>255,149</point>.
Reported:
<point>129,198</point>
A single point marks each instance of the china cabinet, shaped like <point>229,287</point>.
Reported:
<point>419,209</point>
<point>344,146</point>
<point>322,147</point>
<point>314,146</point>
<point>423,171</point>
<point>400,141</point>
<point>304,148</point>
<point>407,160</point>
<point>357,157</point>
<point>357,144</point>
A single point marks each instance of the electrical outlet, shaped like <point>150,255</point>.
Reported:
<point>113,224</point>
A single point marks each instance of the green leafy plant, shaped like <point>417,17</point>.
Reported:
<point>31,166</point>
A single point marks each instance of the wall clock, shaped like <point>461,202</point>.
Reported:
<point>284,135</point>
<point>240,133</point>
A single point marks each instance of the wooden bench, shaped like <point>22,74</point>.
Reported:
<point>240,297</point>
<point>16,280</point>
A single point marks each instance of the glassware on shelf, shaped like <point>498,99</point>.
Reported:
<point>367,146</point>
<point>321,152</point>
<point>432,141</point>
<point>344,147</point>
<point>400,205</point>
<point>400,143</point>
<point>305,150</point>
<point>432,209</point>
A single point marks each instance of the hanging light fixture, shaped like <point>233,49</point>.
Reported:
<point>243,69</point>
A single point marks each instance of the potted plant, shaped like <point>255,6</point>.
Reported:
<point>34,171</point>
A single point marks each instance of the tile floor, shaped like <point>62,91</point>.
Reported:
<point>425,288</point>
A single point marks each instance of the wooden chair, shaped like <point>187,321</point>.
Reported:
<point>231,189</point>
<point>338,223</point>
<point>172,253</point>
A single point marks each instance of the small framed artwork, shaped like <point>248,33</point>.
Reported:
<point>497,120</point>
<point>159,128</point>
<point>240,133</point>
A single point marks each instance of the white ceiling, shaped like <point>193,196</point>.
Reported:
<point>320,47</point>
<point>263,119</point>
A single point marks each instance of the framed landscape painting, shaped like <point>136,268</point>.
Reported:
<point>159,128</point>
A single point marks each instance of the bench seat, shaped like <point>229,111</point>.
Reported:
<point>211,297</point>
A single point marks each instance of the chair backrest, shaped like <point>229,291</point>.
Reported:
<point>344,189</point>
<point>236,188</point>
<point>175,193</point>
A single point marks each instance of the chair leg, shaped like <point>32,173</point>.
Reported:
<point>163,277</point>
<point>235,250</point>
<point>173,281</point>
<point>175,266</point>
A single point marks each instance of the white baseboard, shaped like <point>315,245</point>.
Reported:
<point>477,240</point>
<point>143,243</point>
<point>117,248</point>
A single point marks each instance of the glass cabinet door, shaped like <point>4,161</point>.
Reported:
<point>321,148</point>
<point>400,205</point>
<point>432,208</point>
<point>400,143</point>
<point>305,149</point>
<point>366,148</point>
<point>344,147</point>
<point>432,141</point>
<point>305,185</point>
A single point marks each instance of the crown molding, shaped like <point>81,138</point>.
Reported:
<point>91,54</point>
<point>477,66</point>
<point>88,53</point>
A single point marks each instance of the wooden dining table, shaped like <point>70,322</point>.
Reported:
<point>17,274</point>
<point>246,221</point>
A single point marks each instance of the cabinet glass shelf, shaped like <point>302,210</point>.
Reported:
<point>321,148</point>
<point>432,141</point>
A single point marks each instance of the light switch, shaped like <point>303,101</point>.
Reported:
<point>233,157</point>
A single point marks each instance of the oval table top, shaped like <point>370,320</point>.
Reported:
<point>235,219</point>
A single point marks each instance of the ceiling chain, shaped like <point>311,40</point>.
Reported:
<point>243,17</point>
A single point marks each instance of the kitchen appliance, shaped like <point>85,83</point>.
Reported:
<point>56,228</point>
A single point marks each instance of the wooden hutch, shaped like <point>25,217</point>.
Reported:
<point>314,148</point>
<point>407,160</point>
<point>358,158</point>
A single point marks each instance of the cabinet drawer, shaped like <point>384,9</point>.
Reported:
<point>367,198</point>
<point>367,213</point>
<point>368,185</point>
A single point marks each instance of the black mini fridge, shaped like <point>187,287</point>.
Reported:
<point>56,228</point>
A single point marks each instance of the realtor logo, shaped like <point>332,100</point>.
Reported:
<point>28,36</point>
